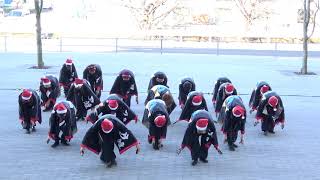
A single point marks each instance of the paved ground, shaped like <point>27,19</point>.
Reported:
<point>292,153</point>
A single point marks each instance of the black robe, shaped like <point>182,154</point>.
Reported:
<point>95,80</point>
<point>153,81</point>
<point>83,98</point>
<point>220,81</point>
<point>67,77</point>
<point>184,94</point>
<point>53,91</point>
<point>156,92</point>
<point>121,136</point>
<point>30,109</point>
<point>125,89</point>
<point>154,108</point>
<point>189,108</point>
<point>68,125</point>
<point>266,114</point>
<point>256,95</point>
<point>231,124</point>
<point>123,112</point>
<point>222,95</point>
<point>192,137</point>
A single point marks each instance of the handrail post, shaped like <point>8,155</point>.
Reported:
<point>218,44</point>
<point>60,44</point>
<point>161,44</point>
<point>5,43</point>
<point>276,48</point>
<point>117,45</point>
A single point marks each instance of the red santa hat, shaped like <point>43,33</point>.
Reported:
<point>61,108</point>
<point>46,81</point>
<point>197,100</point>
<point>273,102</point>
<point>113,104</point>
<point>238,111</point>
<point>69,62</point>
<point>264,89</point>
<point>160,120</point>
<point>106,126</point>
<point>229,88</point>
<point>26,94</point>
<point>202,124</point>
<point>78,82</point>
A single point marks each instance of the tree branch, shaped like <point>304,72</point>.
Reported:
<point>164,15</point>
<point>241,6</point>
<point>41,5</point>
<point>314,19</point>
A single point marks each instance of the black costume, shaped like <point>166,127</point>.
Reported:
<point>82,97</point>
<point>257,94</point>
<point>199,143</point>
<point>220,81</point>
<point>158,92</point>
<point>185,87</point>
<point>68,74</point>
<point>222,95</point>
<point>63,118</point>
<point>189,107</point>
<point>125,88</point>
<point>49,93</point>
<point>95,78</point>
<point>122,112</point>
<point>154,109</point>
<point>270,113</point>
<point>160,75</point>
<point>98,141</point>
<point>232,121</point>
<point>29,109</point>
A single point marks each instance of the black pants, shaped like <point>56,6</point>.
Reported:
<point>107,153</point>
<point>26,123</point>
<point>252,98</point>
<point>44,99</point>
<point>98,93</point>
<point>81,110</point>
<point>63,129</point>
<point>66,90</point>
<point>128,100</point>
<point>199,151</point>
<point>267,124</point>
<point>157,133</point>
<point>232,137</point>
<point>50,105</point>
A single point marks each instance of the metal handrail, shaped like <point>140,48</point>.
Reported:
<point>61,44</point>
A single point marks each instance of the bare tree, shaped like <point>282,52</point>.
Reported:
<point>38,8</point>
<point>151,13</point>
<point>306,21</point>
<point>253,10</point>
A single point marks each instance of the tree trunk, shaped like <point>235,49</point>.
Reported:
<point>38,8</point>
<point>304,68</point>
<point>306,18</point>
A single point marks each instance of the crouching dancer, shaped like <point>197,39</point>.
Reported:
<point>102,136</point>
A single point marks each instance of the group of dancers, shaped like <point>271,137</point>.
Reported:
<point>110,116</point>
